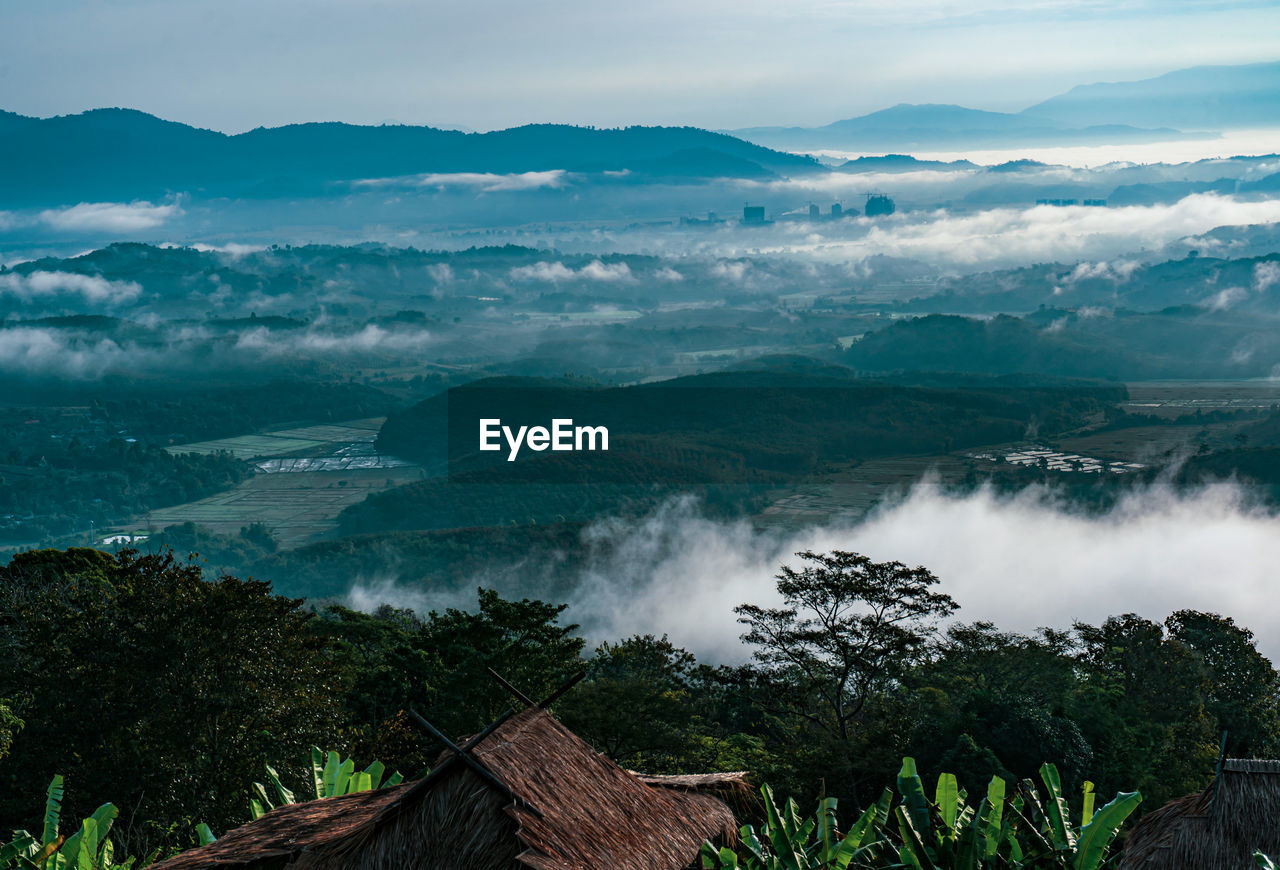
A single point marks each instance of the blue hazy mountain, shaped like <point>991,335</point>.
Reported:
<point>1186,103</point>
<point>1199,98</point>
<point>910,126</point>
<point>901,163</point>
<point>124,154</point>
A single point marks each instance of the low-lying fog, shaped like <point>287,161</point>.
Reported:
<point>1183,150</point>
<point>1022,561</point>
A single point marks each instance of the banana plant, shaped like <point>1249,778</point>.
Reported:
<point>1019,831</point>
<point>787,843</point>
<point>331,776</point>
<point>1263,861</point>
<point>88,848</point>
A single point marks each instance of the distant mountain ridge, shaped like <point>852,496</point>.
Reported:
<point>910,126</point>
<point>106,154</point>
<point>1197,98</point>
<point>1185,103</point>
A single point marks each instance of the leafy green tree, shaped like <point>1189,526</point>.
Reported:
<point>1141,705</point>
<point>10,725</point>
<point>385,670</point>
<point>832,659</point>
<point>991,703</point>
<point>151,686</point>
<point>636,702</point>
<point>1243,690</point>
<point>522,640</point>
<point>849,628</point>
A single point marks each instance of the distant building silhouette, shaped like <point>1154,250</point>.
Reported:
<point>879,204</point>
<point>814,211</point>
<point>1095,203</point>
<point>712,219</point>
<point>753,214</point>
<point>837,210</point>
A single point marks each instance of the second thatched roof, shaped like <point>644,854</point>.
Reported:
<point>1216,829</point>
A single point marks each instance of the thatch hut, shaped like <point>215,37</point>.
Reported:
<point>531,795</point>
<point>1216,829</point>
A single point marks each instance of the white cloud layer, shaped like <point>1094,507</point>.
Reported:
<point>596,270</point>
<point>113,217</point>
<point>1023,561</point>
<point>43,285</point>
<point>46,352</point>
<point>1006,236</point>
<point>480,182</point>
<point>315,341</point>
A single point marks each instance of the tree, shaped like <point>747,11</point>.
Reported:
<point>1243,689</point>
<point>1141,705</point>
<point>385,670</point>
<point>994,703</point>
<point>635,704</point>
<point>10,725</point>
<point>850,627</point>
<point>154,688</point>
<point>522,640</point>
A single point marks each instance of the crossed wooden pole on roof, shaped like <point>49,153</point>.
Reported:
<point>463,752</point>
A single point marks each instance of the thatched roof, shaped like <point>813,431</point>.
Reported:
<point>1216,829</point>
<point>283,833</point>
<point>573,809</point>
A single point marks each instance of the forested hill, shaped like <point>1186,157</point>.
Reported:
<point>123,153</point>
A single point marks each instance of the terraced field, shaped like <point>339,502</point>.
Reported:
<point>286,442</point>
<point>297,507</point>
<point>305,477</point>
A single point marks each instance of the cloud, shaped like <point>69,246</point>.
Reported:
<point>42,352</point>
<point>235,250</point>
<point>481,182</point>
<point>668,275</point>
<point>1117,272</point>
<point>1225,299</point>
<point>609,272</point>
<point>46,352</point>
<point>1265,275</point>
<point>596,270</point>
<point>1023,561</point>
<point>1088,312</point>
<point>369,595</point>
<point>92,288</point>
<point>115,217</point>
<point>730,271</point>
<point>313,341</point>
<point>543,271</point>
<point>1007,236</point>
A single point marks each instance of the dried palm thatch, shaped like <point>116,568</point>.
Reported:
<point>731,788</point>
<point>561,806</point>
<point>281,835</point>
<point>1216,829</point>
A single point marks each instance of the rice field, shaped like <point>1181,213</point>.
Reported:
<point>1178,398</point>
<point>854,491</point>
<point>285,442</point>
<point>297,507</point>
<point>249,446</point>
<point>305,477</point>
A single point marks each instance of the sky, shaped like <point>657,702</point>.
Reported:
<point>233,65</point>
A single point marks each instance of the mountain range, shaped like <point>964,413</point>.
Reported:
<point>1194,102</point>
<point>113,154</point>
<point>1199,98</point>
<point>124,154</point>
